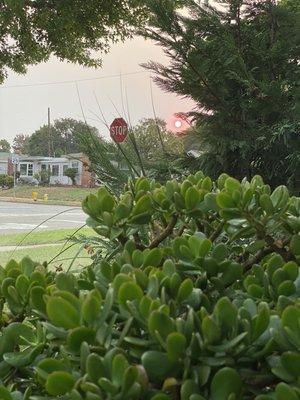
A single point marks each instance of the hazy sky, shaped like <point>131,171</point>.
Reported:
<point>24,109</point>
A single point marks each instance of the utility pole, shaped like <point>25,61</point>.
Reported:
<point>49,133</point>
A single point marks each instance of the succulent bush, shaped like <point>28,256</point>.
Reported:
<point>195,297</point>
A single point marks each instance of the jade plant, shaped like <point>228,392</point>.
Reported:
<point>194,296</point>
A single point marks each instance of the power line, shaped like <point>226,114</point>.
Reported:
<point>72,81</point>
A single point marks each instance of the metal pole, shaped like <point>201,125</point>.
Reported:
<point>14,180</point>
<point>49,133</point>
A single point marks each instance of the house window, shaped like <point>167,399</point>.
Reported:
<point>65,167</point>
<point>23,169</point>
<point>30,170</point>
<point>75,165</point>
<point>55,170</point>
<point>44,167</point>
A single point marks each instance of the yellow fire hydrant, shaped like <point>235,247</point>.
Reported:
<point>45,197</point>
<point>34,196</point>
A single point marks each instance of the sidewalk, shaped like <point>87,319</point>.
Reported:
<point>49,202</point>
<point>33,246</point>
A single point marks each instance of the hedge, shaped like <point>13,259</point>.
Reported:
<point>196,296</point>
<point>6,181</point>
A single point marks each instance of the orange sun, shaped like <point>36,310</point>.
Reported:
<point>177,125</point>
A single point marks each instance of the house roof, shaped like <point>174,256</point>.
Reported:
<point>47,160</point>
<point>74,155</point>
<point>4,155</point>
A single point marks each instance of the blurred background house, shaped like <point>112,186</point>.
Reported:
<point>33,168</point>
<point>6,166</point>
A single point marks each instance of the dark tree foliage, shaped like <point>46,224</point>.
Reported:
<point>154,141</point>
<point>20,143</point>
<point>4,146</point>
<point>32,30</point>
<point>62,138</point>
<point>239,61</point>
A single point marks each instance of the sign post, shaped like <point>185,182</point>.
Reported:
<point>15,161</point>
<point>118,130</point>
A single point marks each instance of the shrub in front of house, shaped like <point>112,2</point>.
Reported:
<point>6,181</point>
<point>195,297</point>
<point>72,173</point>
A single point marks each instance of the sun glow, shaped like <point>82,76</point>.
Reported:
<point>177,125</point>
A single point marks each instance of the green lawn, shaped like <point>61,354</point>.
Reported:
<point>41,237</point>
<point>48,253</point>
<point>55,194</point>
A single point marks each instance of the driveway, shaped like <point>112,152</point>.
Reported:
<point>20,217</point>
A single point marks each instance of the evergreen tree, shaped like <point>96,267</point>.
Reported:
<point>239,61</point>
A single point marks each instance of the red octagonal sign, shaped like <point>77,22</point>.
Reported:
<point>119,130</point>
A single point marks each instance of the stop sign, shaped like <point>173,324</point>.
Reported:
<point>119,130</point>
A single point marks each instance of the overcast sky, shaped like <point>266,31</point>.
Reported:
<point>23,109</point>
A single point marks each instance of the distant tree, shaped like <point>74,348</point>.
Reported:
<point>41,143</point>
<point>71,30</point>
<point>239,62</point>
<point>154,141</point>
<point>69,130</point>
<point>20,144</point>
<point>4,146</point>
<point>61,139</point>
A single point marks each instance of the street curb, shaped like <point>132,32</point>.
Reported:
<point>25,247</point>
<point>49,202</point>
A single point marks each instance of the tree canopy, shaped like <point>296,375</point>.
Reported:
<point>4,146</point>
<point>20,143</point>
<point>153,140</point>
<point>239,62</point>
<point>62,138</point>
<point>32,30</point>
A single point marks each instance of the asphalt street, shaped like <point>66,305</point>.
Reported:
<point>20,217</point>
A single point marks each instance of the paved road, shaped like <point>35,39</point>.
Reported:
<point>20,217</point>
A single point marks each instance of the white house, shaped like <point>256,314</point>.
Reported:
<point>5,163</point>
<point>30,166</point>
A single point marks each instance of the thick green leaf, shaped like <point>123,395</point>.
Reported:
<point>94,367</point>
<point>192,197</point>
<point>59,383</point>
<point>156,364</point>
<point>91,308</point>
<point>160,322</point>
<point>129,291</point>
<point>24,357</point>
<point>285,392</point>
<point>5,394</point>
<point>188,388</point>
<point>224,200</point>
<point>295,245</point>
<point>210,330</point>
<point>79,335</point>
<point>62,313</point>
<point>185,289</point>
<point>225,382</point>
<point>291,362</point>
<point>176,345</point>
<point>153,258</point>
<point>226,314</point>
